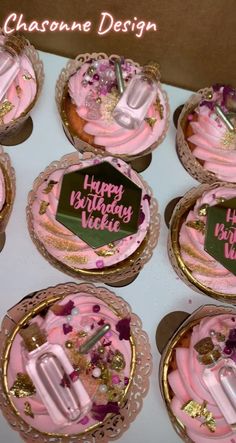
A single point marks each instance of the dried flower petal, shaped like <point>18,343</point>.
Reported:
<point>67,328</point>
<point>63,310</point>
<point>65,381</point>
<point>99,412</point>
<point>123,327</point>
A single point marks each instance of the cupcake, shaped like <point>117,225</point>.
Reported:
<point>21,84</point>
<point>7,189</point>
<point>201,244</point>
<point>206,134</point>
<point>62,218</point>
<point>197,373</point>
<point>72,365</point>
<point>87,94</point>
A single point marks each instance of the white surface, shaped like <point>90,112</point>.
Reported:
<point>155,292</point>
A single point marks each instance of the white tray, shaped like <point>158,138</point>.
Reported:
<point>156,291</point>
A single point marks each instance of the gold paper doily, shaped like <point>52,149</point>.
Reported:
<point>10,184</point>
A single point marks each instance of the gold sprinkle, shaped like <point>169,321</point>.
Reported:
<point>111,245</point>
<point>43,207</point>
<point>23,386</point>
<point>199,225</point>
<point>49,187</point>
<point>159,107</point>
<point>101,349</point>
<point>209,95</point>
<point>69,344</point>
<point>105,252</point>
<point>52,228</point>
<point>98,100</point>
<point>82,334</point>
<point>27,77</point>
<point>194,410</point>
<point>76,260</point>
<point>229,140</point>
<point>5,107</point>
<point>28,410</point>
<point>18,91</point>
<point>202,211</point>
<point>220,200</point>
<point>61,244</point>
<point>118,361</point>
<point>150,121</point>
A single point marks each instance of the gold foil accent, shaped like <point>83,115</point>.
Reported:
<point>202,211</point>
<point>61,244</point>
<point>105,252</point>
<point>199,225</point>
<point>18,91</point>
<point>27,76</point>
<point>49,187</point>
<point>115,394</point>
<point>159,107</point>
<point>229,140</point>
<point>23,386</point>
<point>194,410</point>
<point>150,121</point>
<point>118,361</point>
<point>28,409</point>
<point>220,337</point>
<point>50,227</point>
<point>76,260</point>
<point>210,357</point>
<point>82,334</point>
<point>43,207</point>
<point>5,107</point>
<point>204,346</point>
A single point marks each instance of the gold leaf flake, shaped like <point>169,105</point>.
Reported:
<point>194,410</point>
<point>27,76</point>
<point>111,245</point>
<point>5,107</point>
<point>229,140</point>
<point>18,91</point>
<point>105,252</point>
<point>61,244</point>
<point>118,361</point>
<point>76,259</point>
<point>199,225</point>
<point>23,386</point>
<point>202,211</point>
<point>159,107</point>
<point>28,409</point>
<point>50,227</point>
<point>43,207</point>
<point>82,334</point>
<point>151,121</point>
<point>49,187</point>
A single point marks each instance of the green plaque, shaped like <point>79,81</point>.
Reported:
<point>99,204</point>
<point>220,239</point>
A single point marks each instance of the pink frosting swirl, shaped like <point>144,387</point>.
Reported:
<point>2,190</point>
<point>22,91</point>
<point>203,266</point>
<point>214,144</point>
<point>107,133</point>
<point>84,317</point>
<point>67,247</point>
<point>187,383</point>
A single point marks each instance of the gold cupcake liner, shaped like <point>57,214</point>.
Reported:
<point>180,213</point>
<point>141,365</point>
<point>124,270</point>
<point>168,353</point>
<point>61,94</point>
<point>189,161</point>
<point>10,188</point>
<point>15,125</point>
